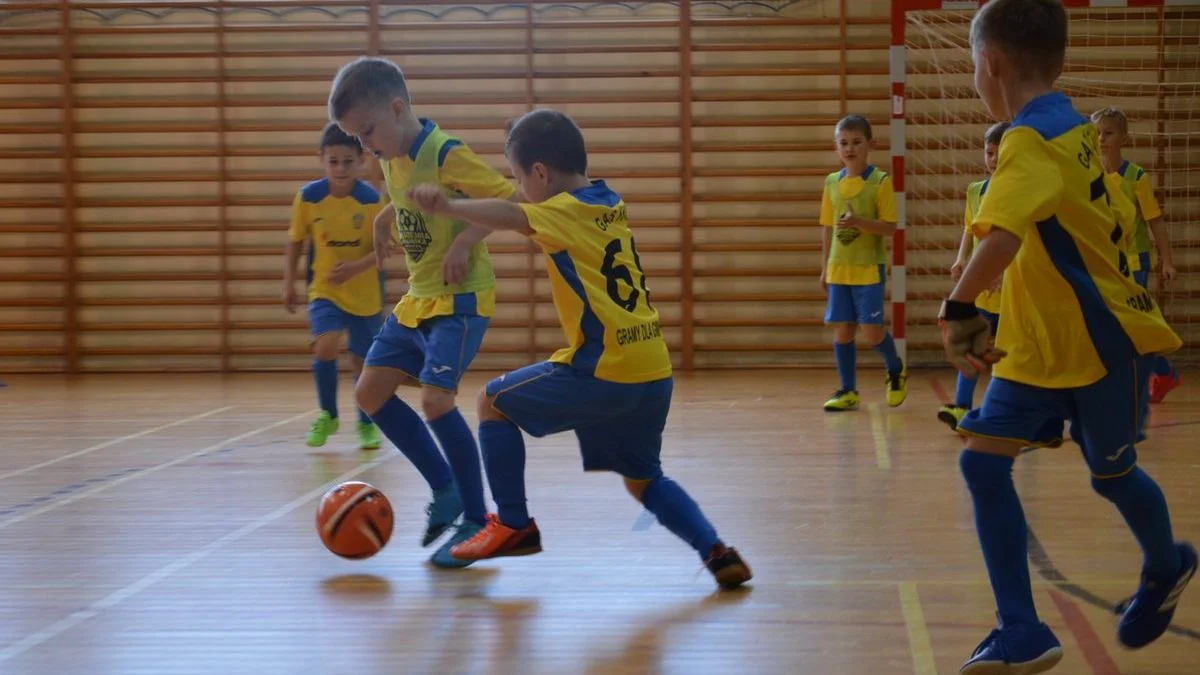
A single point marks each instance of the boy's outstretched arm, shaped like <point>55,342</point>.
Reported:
<point>964,332</point>
<point>492,214</point>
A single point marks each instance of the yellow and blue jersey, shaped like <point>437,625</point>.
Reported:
<point>436,157</point>
<point>1071,310</point>
<point>1135,183</point>
<point>855,257</point>
<point>340,229</point>
<point>988,300</point>
<point>599,288</point>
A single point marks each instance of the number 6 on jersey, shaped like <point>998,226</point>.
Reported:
<point>614,271</point>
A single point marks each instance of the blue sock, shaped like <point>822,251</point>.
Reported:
<point>504,459</point>
<point>363,417</point>
<point>964,391</point>
<point>1141,502</point>
<point>680,514</point>
<point>887,349</point>
<point>458,443</point>
<point>1000,523</point>
<point>326,373</point>
<point>1162,366</point>
<point>844,354</point>
<point>407,431</point>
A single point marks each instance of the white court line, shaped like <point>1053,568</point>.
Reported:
<point>147,471</point>
<point>101,446</point>
<point>116,597</point>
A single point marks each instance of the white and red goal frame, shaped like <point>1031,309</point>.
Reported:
<point>897,68</point>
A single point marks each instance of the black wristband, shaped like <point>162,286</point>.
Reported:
<point>953,310</point>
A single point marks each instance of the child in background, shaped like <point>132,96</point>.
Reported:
<point>345,289</point>
<point>988,301</point>
<point>858,210</point>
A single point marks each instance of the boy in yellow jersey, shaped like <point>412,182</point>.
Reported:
<point>1077,341</point>
<point>1113,128</point>
<point>612,385</point>
<point>858,209</point>
<point>436,329</point>
<point>335,215</point>
<point>988,301</point>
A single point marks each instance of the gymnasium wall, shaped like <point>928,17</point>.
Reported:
<point>149,152</point>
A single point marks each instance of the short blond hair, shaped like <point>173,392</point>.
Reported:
<point>1112,113</point>
<point>368,80</point>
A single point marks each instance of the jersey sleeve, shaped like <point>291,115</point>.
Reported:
<point>298,230</point>
<point>1145,196</point>
<point>828,219</point>
<point>885,201</point>
<point>1025,188</point>
<point>552,222</point>
<point>465,172</point>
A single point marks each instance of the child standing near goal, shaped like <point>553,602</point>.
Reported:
<point>858,209</point>
<point>1078,338</point>
<point>612,386</point>
<point>1136,185</point>
<point>988,301</point>
<point>436,329</point>
<point>345,290</point>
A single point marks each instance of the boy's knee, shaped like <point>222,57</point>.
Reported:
<point>984,468</point>
<point>874,334</point>
<point>843,332</point>
<point>485,406</point>
<point>371,392</point>
<point>436,402</point>
<point>637,487</point>
<point>325,346</point>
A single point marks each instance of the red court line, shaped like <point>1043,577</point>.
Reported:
<point>938,390</point>
<point>1085,636</point>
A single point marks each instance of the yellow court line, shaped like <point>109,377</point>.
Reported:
<point>883,458</point>
<point>918,632</point>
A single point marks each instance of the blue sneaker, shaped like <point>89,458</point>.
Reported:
<point>1145,616</point>
<point>442,558</point>
<point>445,508</point>
<point>1019,649</point>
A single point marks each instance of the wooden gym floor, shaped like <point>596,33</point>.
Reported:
<point>164,524</point>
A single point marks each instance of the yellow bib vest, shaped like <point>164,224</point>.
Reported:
<point>426,237</point>
<point>850,246</point>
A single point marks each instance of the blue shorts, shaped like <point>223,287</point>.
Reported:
<point>1107,418</point>
<point>1142,276</point>
<point>437,352</point>
<point>619,426</point>
<point>856,304</point>
<point>326,317</point>
<point>992,319</point>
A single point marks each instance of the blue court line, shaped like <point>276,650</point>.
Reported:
<point>116,475</point>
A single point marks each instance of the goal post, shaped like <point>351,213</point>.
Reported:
<point>1138,55</point>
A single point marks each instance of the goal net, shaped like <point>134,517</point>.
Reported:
<point>1143,60</point>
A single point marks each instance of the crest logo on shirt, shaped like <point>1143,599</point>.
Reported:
<point>846,235</point>
<point>358,219</point>
<point>414,234</point>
